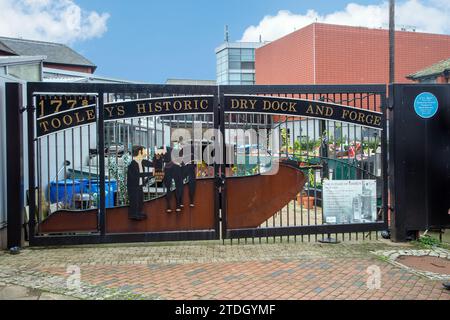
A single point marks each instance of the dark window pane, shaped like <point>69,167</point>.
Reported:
<point>248,65</point>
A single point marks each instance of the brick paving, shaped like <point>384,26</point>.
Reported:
<point>214,271</point>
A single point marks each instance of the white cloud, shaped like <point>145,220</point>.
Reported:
<point>424,15</point>
<point>50,20</point>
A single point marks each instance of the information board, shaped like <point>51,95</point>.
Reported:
<point>349,201</point>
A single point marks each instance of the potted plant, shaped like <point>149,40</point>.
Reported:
<point>304,200</point>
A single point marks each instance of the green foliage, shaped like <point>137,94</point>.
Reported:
<point>372,145</point>
<point>118,172</point>
<point>284,139</point>
<point>337,141</point>
<point>428,241</point>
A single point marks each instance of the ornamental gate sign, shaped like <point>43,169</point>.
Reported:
<point>306,108</point>
<point>66,112</point>
<point>261,156</point>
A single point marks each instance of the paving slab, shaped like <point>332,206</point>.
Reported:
<point>211,270</point>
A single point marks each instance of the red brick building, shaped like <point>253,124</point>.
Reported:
<point>333,54</point>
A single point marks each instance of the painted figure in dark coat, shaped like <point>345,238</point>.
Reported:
<point>136,179</point>
<point>173,172</point>
<point>188,168</point>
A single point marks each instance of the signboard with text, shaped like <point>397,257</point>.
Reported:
<point>65,112</point>
<point>56,113</point>
<point>306,108</point>
<point>349,201</point>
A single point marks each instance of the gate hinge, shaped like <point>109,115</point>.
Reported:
<point>27,108</point>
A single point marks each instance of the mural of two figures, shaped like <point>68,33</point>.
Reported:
<point>174,172</point>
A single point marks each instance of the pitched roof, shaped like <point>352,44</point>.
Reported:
<point>435,69</point>
<point>56,53</point>
<point>5,48</point>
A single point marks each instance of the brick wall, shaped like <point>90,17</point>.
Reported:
<point>346,55</point>
<point>290,60</point>
<point>442,79</point>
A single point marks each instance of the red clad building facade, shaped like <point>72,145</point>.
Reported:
<point>333,54</point>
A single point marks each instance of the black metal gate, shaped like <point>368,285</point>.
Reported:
<point>324,146</point>
<point>85,133</point>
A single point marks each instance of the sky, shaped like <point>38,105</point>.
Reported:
<point>151,41</point>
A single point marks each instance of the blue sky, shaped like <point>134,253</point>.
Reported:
<point>151,41</point>
<point>154,40</point>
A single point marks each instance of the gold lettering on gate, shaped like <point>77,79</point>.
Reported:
<point>90,115</point>
<point>44,125</point>
<point>141,108</point>
<point>158,106</point>
<point>77,116</point>
<point>120,111</point>
<point>167,105</point>
<point>110,111</point>
<point>67,119</point>
<point>320,110</point>
<point>204,104</point>
<point>377,121</point>
<point>56,123</point>
<point>177,105</point>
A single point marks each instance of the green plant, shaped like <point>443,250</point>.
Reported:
<point>371,145</point>
<point>284,139</point>
<point>118,173</point>
<point>428,241</point>
<point>311,178</point>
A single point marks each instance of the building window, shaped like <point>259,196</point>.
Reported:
<point>234,65</point>
<point>248,77</point>
<point>235,76</point>
<point>247,65</point>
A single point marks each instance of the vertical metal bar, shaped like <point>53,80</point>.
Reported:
<point>258,142</point>
<point>56,171</point>
<point>48,170</point>
<point>14,167</point>
<point>219,123</point>
<point>81,167</point>
<point>39,178</point>
<point>65,165</point>
<point>294,123</point>
<point>155,141</point>
<point>101,152</point>
<point>269,145</point>
<point>384,155</point>
<point>89,164</point>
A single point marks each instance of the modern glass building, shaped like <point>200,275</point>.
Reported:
<point>236,63</point>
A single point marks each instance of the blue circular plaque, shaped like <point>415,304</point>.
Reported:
<point>426,105</point>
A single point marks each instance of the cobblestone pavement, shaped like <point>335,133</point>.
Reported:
<point>210,270</point>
